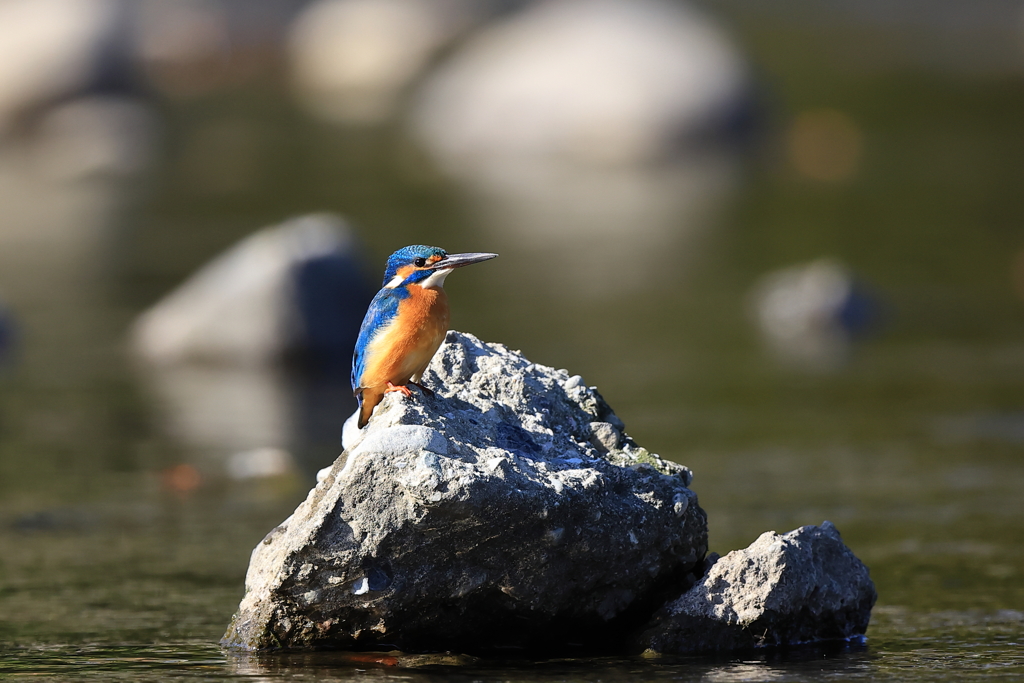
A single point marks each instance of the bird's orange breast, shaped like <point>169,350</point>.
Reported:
<point>402,351</point>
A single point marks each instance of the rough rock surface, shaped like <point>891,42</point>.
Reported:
<point>510,508</point>
<point>803,586</point>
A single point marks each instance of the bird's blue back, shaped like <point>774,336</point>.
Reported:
<point>384,307</point>
<point>381,313</point>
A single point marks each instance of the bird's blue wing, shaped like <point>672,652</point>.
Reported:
<point>379,315</point>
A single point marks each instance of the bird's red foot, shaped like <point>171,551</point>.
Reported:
<point>406,391</point>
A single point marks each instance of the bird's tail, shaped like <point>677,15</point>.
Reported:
<point>368,400</point>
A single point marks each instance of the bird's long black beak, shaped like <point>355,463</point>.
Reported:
<point>459,260</point>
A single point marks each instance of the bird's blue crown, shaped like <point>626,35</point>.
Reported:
<point>416,255</point>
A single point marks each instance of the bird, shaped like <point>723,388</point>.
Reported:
<point>405,324</point>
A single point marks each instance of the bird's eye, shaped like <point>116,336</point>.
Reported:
<point>420,262</point>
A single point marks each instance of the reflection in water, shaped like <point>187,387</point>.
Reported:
<point>250,422</point>
<point>924,654</point>
<point>259,462</point>
<point>799,664</point>
<point>93,136</point>
<point>583,232</point>
<point>744,671</point>
<point>222,409</point>
<point>342,665</point>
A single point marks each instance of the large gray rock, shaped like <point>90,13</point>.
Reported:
<point>508,509</point>
<point>801,587</point>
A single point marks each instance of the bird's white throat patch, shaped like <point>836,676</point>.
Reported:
<point>436,278</point>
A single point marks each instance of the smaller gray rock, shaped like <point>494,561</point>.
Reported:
<point>801,587</point>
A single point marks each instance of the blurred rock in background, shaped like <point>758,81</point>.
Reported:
<point>606,83</point>
<point>597,138</point>
<point>296,289</point>
<point>810,314</point>
<point>71,100</point>
<point>220,353</point>
<point>351,61</point>
<point>589,137</point>
<point>52,51</point>
<point>192,48</point>
<point>184,46</point>
<point>78,134</point>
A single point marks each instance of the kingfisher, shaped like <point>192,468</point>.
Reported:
<point>405,324</point>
